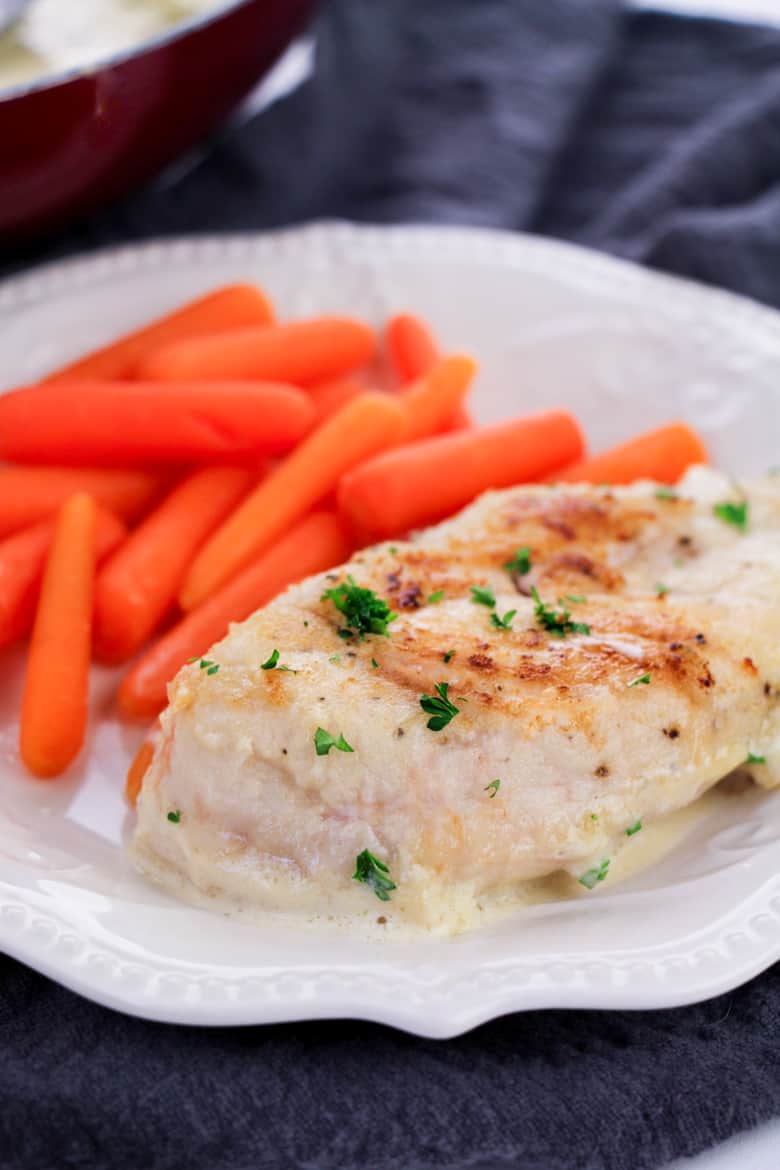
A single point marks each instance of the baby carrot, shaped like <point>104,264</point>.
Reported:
<point>410,347</point>
<point>54,706</point>
<point>314,544</point>
<point>138,585</point>
<point>663,455</point>
<point>460,420</point>
<point>413,353</point>
<point>31,494</point>
<point>22,560</point>
<point>301,352</point>
<point>364,426</point>
<point>137,770</point>
<point>328,397</point>
<point>121,423</point>
<point>417,484</point>
<point>431,401</point>
<point>230,307</point>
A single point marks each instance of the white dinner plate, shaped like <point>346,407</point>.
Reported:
<point>551,324</point>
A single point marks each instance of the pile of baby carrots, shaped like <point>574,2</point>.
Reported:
<point>174,481</point>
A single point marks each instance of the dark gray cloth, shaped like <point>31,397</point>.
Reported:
<point>653,137</point>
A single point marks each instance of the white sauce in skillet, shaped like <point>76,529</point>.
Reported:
<point>54,36</point>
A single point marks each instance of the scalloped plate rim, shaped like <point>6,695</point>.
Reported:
<point>32,936</point>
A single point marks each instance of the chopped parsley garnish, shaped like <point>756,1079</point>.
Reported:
<point>439,707</point>
<point>364,612</point>
<point>270,663</point>
<point>174,816</point>
<point>335,658</point>
<point>436,597</point>
<point>597,874</point>
<point>448,656</point>
<point>556,622</point>
<point>641,678</point>
<point>665,493</point>
<point>324,741</point>
<point>206,664</point>
<point>373,873</point>
<point>391,548</point>
<point>754,759</point>
<point>520,563</point>
<point>734,513</point>
<point>594,816</point>
<point>661,589</point>
<point>375,664</point>
<point>576,598</point>
<point>492,787</point>
<point>637,825</point>
<point>505,622</point>
<point>483,596</point>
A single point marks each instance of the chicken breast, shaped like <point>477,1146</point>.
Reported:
<point>629,666</point>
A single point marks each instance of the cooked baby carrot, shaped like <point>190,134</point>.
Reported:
<point>663,455</point>
<point>431,401</point>
<point>22,559</point>
<point>426,481</point>
<point>54,706</point>
<point>328,397</point>
<point>413,353</point>
<point>137,770</point>
<point>461,420</point>
<point>121,423</point>
<point>311,546</point>
<point>31,494</point>
<point>230,307</point>
<point>301,352</point>
<point>138,585</point>
<point>364,426</point>
<point>410,347</point>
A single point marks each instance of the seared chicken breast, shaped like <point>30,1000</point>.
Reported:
<point>559,665</point>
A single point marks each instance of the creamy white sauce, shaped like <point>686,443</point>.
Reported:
<point>389,921</point>
<point>54,36</point>
<point>637,853</point>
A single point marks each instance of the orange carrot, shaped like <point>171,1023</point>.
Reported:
<point>413,353</point>
<point>230,307</point>
<point>461,420</point>
<point>426,481</point>
<point>31,494</point>
<point>22,560</point>
<point>328,397</point>
<point>313,545</point>
<point>114,423</point>
<point>301,352</point>
<point>364,426</point>
<point>663,455</point>
<point>410,347</point>
<point>137,770</point>
<point>54,706</point>
<point>431,401</point>
<point>138,585</point>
